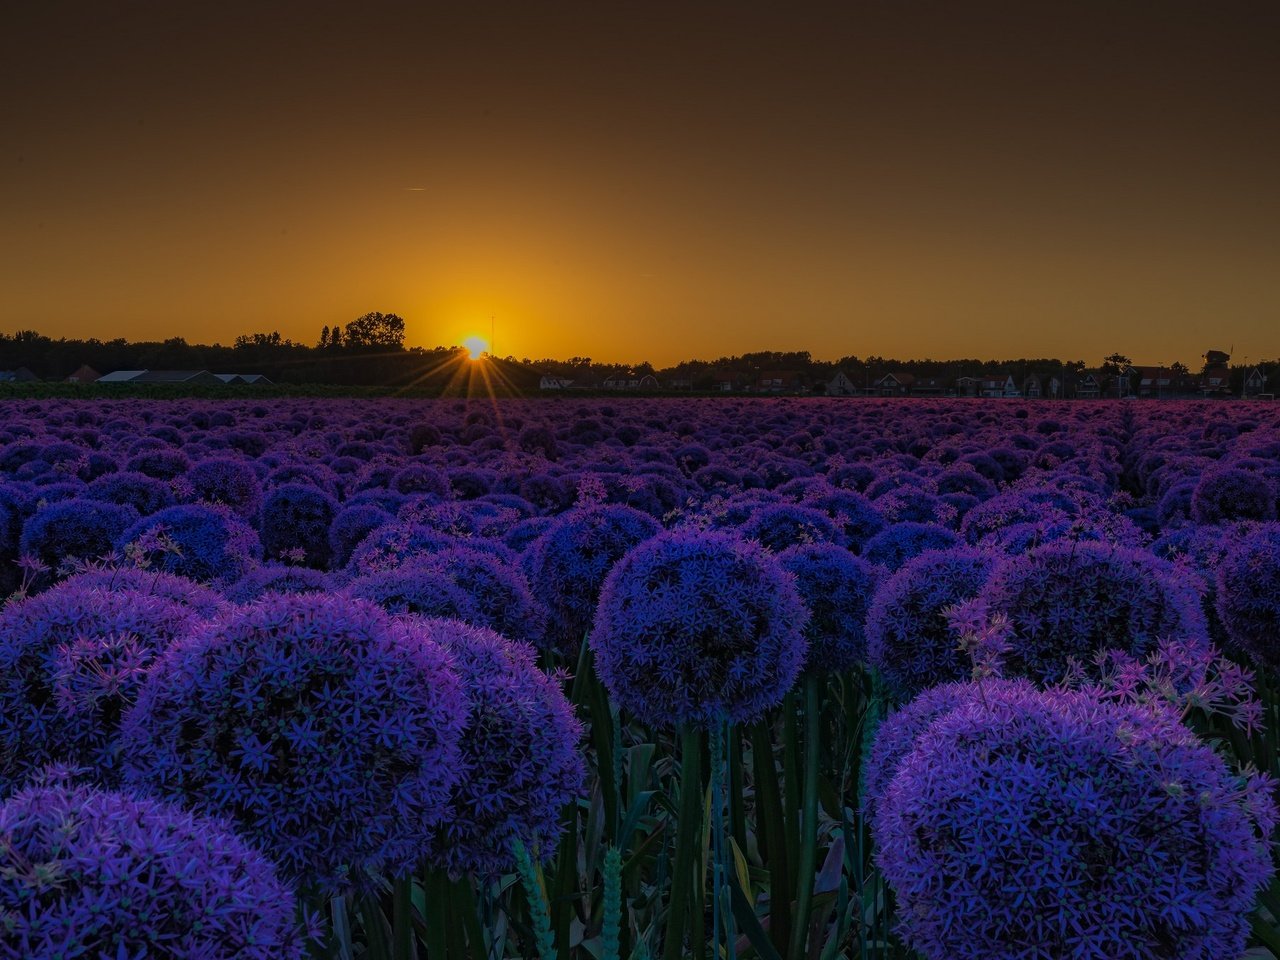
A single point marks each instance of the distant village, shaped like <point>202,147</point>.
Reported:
<point>195,378</point>
<point>1121,380</point>
<point>370,353</point>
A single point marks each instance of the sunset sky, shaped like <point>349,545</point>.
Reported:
<point>654,181</point>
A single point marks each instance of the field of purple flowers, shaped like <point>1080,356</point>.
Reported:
<point>777,679</point>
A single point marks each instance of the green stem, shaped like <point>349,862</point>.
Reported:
<point>791,770</point>
<point>688,840</point>
<point>402,919</point>
<point>463,900</point>
<point>435,891</point>
<point>737,813</point>
<point>809,824</point>
<point>769,815</point>
<point>566,879</point>
<point>610,948</point>
<point>375,928</point>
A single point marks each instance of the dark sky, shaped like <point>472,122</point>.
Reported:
<point>645,180</point>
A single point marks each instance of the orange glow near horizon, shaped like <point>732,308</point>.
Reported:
<point>698,181</point>
<point>476,347</point>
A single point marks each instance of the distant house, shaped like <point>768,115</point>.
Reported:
<point>998,387</point>
<point>780,381</point>
<point>841,386</point>
<point>1088,388</point>
<point>1031,388</point>
<point>928,387</point>
<point>1150,381</point>
<point>1215,380</point>
<point>895,384</point>
<point>554,383</point>
<point>723,384</point>
<point>1255,382</point>
<point>192,377</point>
<point>1055,388</point>
<point>968,386</point>
<point>21,375</point>
<point>86,374</point>
<point>630,381</point>
<point>680,383</point>
<point>233,379</point>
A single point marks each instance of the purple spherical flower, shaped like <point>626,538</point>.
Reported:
<point>278,578</point>
<point>325,730</point>
<point>836,588</point>
<point>459,583</point>
<point>350,526</point>
<point>782,525</point>
<point>1227,492</point>
<point>520,747</point>
<point>895,545</point>
<point>696,626</point>
<point>232,483</point>
<point>71,660</point>
<point>401,542</point>
<point>145,494</point>
<point>910,641</point>
<point>896,735</point>
<point>1069,601</point>
<point>295,519</point>
<point>162,462</point>
<point>204,602</point>
<point>567,566</point>
<point>99,874</point>
<point>204,543</point>
<point>1248,601</point>
<point>70,530</point>
<point>1055,825</point>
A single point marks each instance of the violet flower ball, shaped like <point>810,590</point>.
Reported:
<point>696,627</point>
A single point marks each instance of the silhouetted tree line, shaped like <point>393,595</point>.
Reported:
<point>370,351</point>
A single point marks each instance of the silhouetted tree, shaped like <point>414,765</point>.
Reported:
<point>335,337</point>
<point>1115,363</point>
<point>385,330</point>
<point>324,337</point>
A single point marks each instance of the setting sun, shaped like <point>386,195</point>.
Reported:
<point>476,346</point>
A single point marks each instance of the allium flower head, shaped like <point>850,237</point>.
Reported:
<point>88,873</point>
<point>1039,825</point>
<point>1227,492</point>
<point>297,516</point>
<point>520,747</point>
<point>204,602</point>
<point>896,735</point>
<point>696,626</point>
<point>71,662</point>
<point>910,640</point>
<point>782,525</point>
<point>459,583</point>
<point>326,731</point>
<point>208,544</point>
<point>896,544</point>
<point>1068,600</point>
<point>567,566</point>
<point>231,483</point>
<point>836,588</point>
<point>1248,601</point>
<point>278,578</point>
<point>74,530</point>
